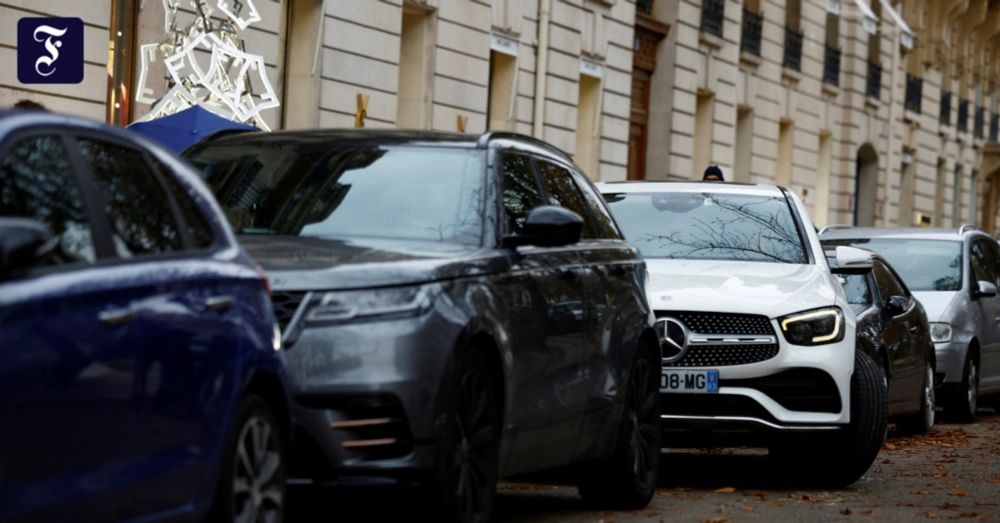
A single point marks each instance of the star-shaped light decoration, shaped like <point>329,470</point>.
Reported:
<point>232,84</point>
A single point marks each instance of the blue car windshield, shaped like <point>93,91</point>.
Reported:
<point>924,265</point>
<point>348,190</point>
<point>709,226</point>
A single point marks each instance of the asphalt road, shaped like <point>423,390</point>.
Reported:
<point>952,473</point>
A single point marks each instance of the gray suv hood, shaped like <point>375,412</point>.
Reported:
<point>297,263</point>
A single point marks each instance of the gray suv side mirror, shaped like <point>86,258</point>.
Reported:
<point>984,289</point>
<point>548,226</point>
<point>23,243</point>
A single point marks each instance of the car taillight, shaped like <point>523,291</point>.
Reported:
<point>263,280</point>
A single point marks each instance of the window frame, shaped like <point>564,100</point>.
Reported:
<point>876,262</point>
<point>163,171</point>
<point>501,209</point>
<point>88,194</point>
<point>588,220</point>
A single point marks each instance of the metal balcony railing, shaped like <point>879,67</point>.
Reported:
<point>977,125</point>
<point>945,115</point>
<point>831,66</point>
<point>753,23</point>
<point>713,15</point>
<point>995,128</point>
<point>793,49</point>
<point>963,115</point>
<point>644,6</point>
<point>873,85</point>
<point>914,92</point>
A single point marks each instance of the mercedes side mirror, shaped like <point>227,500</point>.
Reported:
<point>548,226</point>
<point>984,289</point>
<point>852,260</point>
<point>24,244</point>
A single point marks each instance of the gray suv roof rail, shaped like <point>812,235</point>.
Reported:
<point>499,135</point>
<point>969,227</point>
<point>835,226</point>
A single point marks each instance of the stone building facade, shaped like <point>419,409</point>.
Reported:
<point>877,112</point>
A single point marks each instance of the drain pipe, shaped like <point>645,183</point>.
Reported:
<point>541,67</point>
<point>891,145</point>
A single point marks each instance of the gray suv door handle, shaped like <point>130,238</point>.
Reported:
<point>219,303</point>
<point>112,317</point>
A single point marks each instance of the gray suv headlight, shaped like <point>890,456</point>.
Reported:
<point>370,304</point>
<point>815,327</point>
<point>940,332</point>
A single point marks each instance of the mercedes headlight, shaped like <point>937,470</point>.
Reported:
<point>940,332</point>
<point>815,327</point>
<point>328,308</point>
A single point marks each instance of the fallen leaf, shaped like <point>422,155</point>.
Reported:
<point>846,511</point>
<point>957,494</point>
<point>725,490</point>
<point>716,520</point>
<point>930,514</point>
<point>948,506</point>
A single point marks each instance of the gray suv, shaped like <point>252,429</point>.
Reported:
<point>954,273</point>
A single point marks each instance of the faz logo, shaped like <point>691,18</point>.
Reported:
<point>50,50</point>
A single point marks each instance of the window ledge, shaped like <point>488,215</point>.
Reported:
<point>912,117</point>
<point>872,103</point>
<point>791,75</point>
<point>710,40</point>
<point>830,90</point>
<point>750,60</point>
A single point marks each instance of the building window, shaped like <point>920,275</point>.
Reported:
<point>831,62</point>
<point>644,6</point>
<point>793,35</point>
<point>503,72</point>
<point>914,92</point>
<point>995,128</point>
<point>945,116</point>
<point>744,145</point>
<point>750,37</point>
<point>783,176</point>
<point>416,68</point>
<point>587,136</point>
<point>822,208</point>
<point>907,188</point>
<point>977,125</point>
<point>793,49</point>
<point>703,115</point>
<point>963,115</point>
<point>302,87</point>
<point>713,16</point>
<point>873,86</point>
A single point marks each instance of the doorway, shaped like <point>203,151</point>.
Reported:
<point>865,186</point>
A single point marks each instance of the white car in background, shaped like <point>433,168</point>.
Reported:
<point>757,337</point>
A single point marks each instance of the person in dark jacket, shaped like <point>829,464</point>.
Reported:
<point>713,174</point>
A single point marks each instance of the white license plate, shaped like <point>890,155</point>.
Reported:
<point>689,381</point>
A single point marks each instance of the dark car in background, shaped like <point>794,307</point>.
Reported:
<point>892,327</point>
<point>140,377</point>
<point>456,308</point>
<point>955,274</point>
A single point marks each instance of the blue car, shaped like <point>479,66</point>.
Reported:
<point>141,376</point>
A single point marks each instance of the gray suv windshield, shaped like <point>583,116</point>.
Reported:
<point>925,265</point>
<point>706,226</point>
<point>352,190</point>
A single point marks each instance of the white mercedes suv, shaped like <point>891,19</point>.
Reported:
<point>757,337</point>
